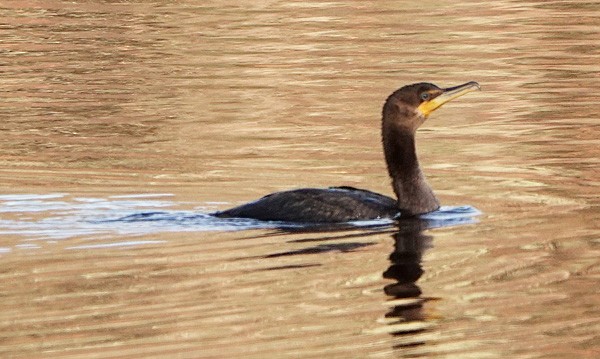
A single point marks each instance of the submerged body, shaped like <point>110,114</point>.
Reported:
<point>403,112</point>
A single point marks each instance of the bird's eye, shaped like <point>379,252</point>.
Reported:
<point>425,96</point>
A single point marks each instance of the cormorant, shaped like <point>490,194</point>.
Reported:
<point>403,112</point>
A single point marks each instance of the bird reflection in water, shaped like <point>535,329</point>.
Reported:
<point>406,314</point>
<point>406,317</point>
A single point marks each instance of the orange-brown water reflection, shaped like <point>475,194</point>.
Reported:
<point>220,103</point>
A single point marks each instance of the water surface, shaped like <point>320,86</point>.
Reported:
<point>116,109</point>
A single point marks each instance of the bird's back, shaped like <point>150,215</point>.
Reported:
<point>317,205</point>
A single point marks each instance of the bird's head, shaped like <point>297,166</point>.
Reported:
<point>410,106</point>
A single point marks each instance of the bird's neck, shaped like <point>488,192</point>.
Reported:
<point>413,193</point>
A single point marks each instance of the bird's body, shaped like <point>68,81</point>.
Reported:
<point>317,205</point>
<point>403,112</point>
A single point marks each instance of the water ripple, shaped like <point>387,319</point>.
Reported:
<point>58,216</point>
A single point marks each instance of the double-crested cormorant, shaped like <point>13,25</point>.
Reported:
<point>403,112</point>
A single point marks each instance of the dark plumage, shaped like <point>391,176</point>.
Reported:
<point>334,204</point>
<point>404,112</point>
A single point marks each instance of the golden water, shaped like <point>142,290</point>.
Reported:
<point>199,107</point>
